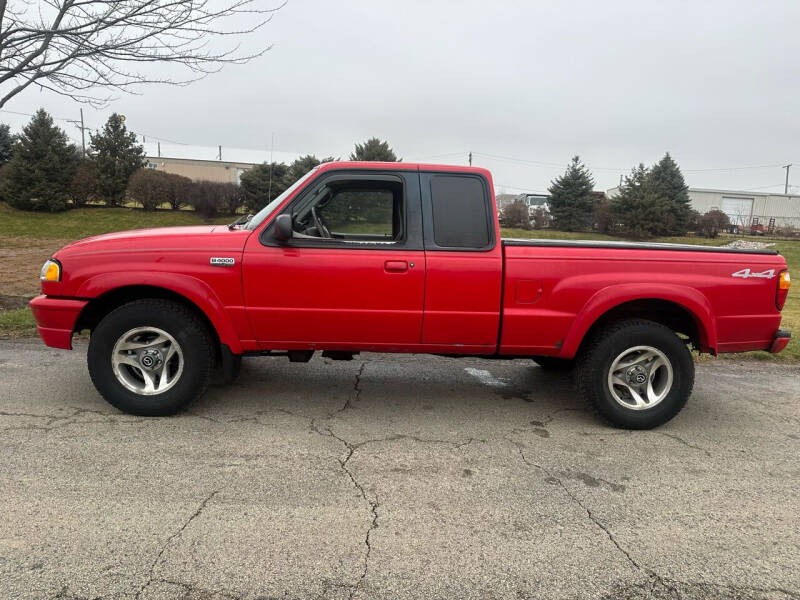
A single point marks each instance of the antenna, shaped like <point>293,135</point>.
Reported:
<point>271,162</point>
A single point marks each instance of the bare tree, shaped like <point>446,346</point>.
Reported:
<point>89,49</point>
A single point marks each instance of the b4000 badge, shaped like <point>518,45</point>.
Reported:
<point>220,261</point>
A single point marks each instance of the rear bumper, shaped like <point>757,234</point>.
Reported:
<point>780,341</point>
<point>56,318</point>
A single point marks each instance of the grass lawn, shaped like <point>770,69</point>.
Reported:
<point>17,322</point>
<point>84,222</point>
<point>25,235</point>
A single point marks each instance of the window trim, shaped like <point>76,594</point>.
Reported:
<point>411,241</point>
<point>427,212</point>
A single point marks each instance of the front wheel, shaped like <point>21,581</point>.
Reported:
<point>637,374</point>
<point>150,357</point>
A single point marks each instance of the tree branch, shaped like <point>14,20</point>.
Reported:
<point>79,47</point>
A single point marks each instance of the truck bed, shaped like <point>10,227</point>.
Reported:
<point>554,290</point>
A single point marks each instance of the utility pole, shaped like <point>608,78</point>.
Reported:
<point>470,158</point>
<point>83,136</point>
<point>620,180</point>
<point>159,149</point>
<point>786,186</point>
<point>219,157</point>
<point>83,128</point>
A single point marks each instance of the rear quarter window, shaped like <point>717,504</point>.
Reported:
<point>460,212</point>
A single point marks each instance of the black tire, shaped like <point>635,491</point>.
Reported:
<point>197,354</point>
<point>551,363</point>
<point>600,352</point>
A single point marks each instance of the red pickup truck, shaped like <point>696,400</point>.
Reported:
<point>397,257</point>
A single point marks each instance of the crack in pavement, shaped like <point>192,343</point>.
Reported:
<point>53,422</point>
<point>677,438</point>
<point>351,448</point>
<point>678,590</point>
<point>655,578</point>
<point>166,544</point>
<point>192,591</point>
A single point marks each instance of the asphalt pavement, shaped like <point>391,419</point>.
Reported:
<point>395,477</point>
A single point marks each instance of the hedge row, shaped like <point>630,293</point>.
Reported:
<point>153,189</point>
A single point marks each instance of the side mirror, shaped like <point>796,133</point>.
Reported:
<point>283,228</point>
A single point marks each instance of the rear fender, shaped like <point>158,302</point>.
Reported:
<point>690,299</point>
<point>195,290</point>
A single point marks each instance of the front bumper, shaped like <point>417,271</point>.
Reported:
<point>780,341</point>
<point>56,318</point>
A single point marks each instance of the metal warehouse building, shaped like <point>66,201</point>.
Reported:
<point>744,208</point>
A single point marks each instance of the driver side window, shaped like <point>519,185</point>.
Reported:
<point>358,211</point>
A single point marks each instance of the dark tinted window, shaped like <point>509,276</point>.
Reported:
<point>460,215</point>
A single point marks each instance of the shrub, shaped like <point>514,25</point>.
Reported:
<point>177,186</point>
<point>603,217</point>
<point>212,199</point>
<point>83,186</point>
<point>152,188</point>
<point>710,224</point>
<point>541,218</point>
<point>149,188</point>
<point>516,215</point>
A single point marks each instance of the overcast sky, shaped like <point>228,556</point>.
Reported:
<point>716,84</point>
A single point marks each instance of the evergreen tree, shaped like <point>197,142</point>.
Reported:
<point>263,183</point>
<point>40,172</point>
<point>637,208</point>
<point>303,165</point>
<point>571,201</point>
<point>653,202</point>
<point>116,156</point>
<point>668,183</point>
<point>6,144</point>
<point>374,150</point>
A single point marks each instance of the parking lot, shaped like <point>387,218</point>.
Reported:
<point>395,476</point>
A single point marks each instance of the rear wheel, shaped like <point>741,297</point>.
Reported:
<point>150,357</point>
<point>637,374</point>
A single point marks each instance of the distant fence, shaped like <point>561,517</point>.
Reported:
<point>765,225</point>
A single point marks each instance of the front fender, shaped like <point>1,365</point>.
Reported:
<point>195,290</point>
<point>604,300</point>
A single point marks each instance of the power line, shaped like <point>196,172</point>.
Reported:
<point>426,157</point>
<point>617,169</point>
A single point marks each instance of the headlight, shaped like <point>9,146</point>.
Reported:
<point>51,271</point>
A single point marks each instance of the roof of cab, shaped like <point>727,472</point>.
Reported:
<point>404,166</point>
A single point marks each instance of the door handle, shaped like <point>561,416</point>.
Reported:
<point>395,266</point>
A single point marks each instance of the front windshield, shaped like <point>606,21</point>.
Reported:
<point>265,212</point>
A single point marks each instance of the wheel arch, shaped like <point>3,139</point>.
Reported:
<point>202,302</point>
<point>684,310</point>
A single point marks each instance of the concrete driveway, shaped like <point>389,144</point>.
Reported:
<point>395,477</point>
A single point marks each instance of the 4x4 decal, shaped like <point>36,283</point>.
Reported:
<point>747,273</point>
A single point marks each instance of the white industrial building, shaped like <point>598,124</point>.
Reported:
<point>745,208</point>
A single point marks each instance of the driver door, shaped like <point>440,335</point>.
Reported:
<point>353,274</point>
